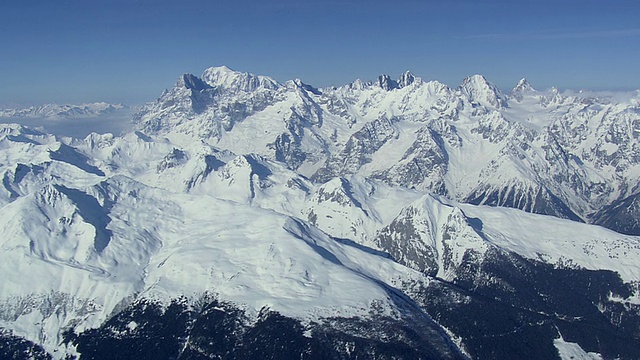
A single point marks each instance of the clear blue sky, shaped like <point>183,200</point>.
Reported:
<point>130,50</point>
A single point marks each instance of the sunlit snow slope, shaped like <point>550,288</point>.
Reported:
<point>381,218</point>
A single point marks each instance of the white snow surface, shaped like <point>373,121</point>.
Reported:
<point>162,245</point>
<point>77,245</point>
<point>200,205</point>
<point>572,351</point>
<point>558,241</point>
<point>92,224</point>
<point>580,146</point>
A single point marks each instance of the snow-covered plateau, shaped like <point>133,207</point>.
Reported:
<point>244,218</point>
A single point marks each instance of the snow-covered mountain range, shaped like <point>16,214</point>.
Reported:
<point>61,111</point>
<point>540,151</point>
<point>386,219</point>
<point>73,120</point>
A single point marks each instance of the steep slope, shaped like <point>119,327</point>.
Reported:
<point>114,275</point>
<point>539,151</point>
<point>90,255</point>
<point>244,217</point>
<point>621,216</point>
<point>88,252</point>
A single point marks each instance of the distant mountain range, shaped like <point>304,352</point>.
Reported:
<point>61,111</point>
<point>390,219</point>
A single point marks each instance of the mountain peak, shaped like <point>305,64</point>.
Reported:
<point>406,79</point>
<point>228,204</point>
<point>358,84</point>
<point>523,86</point>
<point>385,82</point>
<point>478,89</point>
<point>222,68</point>
<point>299,84</point>
<point>476,80</point>
<point>226,78</point>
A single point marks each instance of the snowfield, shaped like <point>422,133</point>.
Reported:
<point>315,203</point>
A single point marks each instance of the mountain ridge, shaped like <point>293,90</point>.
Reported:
<point>562,145</point>
<point>53,110</point>
<point>388,219</point>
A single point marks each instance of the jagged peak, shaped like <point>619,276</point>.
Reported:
<point>406,79</point>
<point>479,89</point>
<point>476,81</point>
<point>358,84</point>
<point>192,82</point>
<point>385,82</point>
<point>523,86</point>
<point>297,83</point>
<point>226,78</point>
